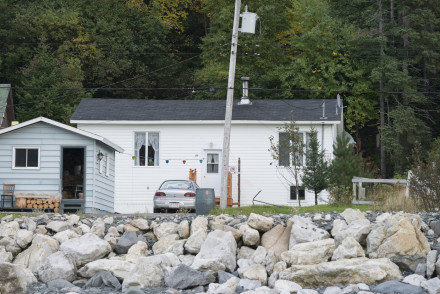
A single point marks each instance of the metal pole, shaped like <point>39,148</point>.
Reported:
<point>229,103</point>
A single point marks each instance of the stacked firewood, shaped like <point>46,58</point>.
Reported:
<point>34,201</point>
<point>43,204</point>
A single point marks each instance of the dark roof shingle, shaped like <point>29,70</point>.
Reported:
<point>157,110</point>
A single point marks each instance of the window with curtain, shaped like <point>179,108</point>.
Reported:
<point>146,149</point>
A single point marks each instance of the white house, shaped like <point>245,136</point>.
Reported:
<point>164,139</point>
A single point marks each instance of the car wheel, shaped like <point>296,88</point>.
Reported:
<point>156,210</point>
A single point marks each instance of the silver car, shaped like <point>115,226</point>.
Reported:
<point>175,195</point>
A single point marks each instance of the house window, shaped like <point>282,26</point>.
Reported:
<point>301,192</point>
<point>284,146</point>
<point>107,166</point>
<point>212,163</point>
<point>101,164</point>
<point>26,158</point>
<point>146,152</point>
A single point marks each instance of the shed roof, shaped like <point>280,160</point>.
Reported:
<point>101,109</point>
<point>63,126</point>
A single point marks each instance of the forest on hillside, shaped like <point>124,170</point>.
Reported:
<point>381,56</point>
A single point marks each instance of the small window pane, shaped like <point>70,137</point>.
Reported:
<point>32,158</point>
<point>301,192</point>
<point>212,164</point>
<point>283,150</point>
<point>20,157</point>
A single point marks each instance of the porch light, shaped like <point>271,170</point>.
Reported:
<point>100,156</point>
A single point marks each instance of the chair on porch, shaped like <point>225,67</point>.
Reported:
<point>8,191</point>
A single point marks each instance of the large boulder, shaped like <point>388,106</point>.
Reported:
<point>254,272</point>
<point>57,266</point>
<point>358,229</point>
<point>222,227</point>
<point>136,251</point>
<point>140,223</point>
<point>251,237</point>
<point>199,223</point>
<point>309,253</point>
<point>259,222</point>
<point>184,277</point>
<point>221,247</point>
<point>86,248</point>
<point>351,215</point>
<point>119,268</point>
<point>151,270</point>
<point>277,239</point>
<point>9,229</point>
<point>5,256</point>
<point>23,238</point>
<point>14,278</point>
<point>59,226</point>
<point>183,229</point>
<point>41,247</point>
<point>165,229</point>
<point>65,235</point>
<point>344,271</point>
<point>98,228</point>
<point>195,241</point>
<point>350,248</point>
<point>399,238</point>
<point>304,230</point>
<point>170,243</point>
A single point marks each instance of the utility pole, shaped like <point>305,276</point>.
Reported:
<point>229,104</point>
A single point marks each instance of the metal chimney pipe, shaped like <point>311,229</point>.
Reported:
<point>245,98</point>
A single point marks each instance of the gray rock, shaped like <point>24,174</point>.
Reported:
<point>397,287</point>
<point>247,285</point>
<point>224,276</point>
<point>421,269</point>
<point>58,265</point>
<point>127,240</point>
<point>103,278</point>
<point>435,226</point>
<point>185,277</point>
<point>14,278</point>
<point>60,284</point>
<point>432,285</point>
<point>431,258</point>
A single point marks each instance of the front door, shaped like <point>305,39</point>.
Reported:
<point>212,170</point>
<point>72,179</point>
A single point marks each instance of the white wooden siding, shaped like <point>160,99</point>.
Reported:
<point>135,186</point>
<point>47,179</point>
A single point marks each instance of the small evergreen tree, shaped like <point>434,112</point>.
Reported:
<point>345,164</point>
<point>315,174</point>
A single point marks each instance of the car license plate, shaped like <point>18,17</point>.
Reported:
<point>174,204</point>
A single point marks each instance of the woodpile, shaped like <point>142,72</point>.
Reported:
<point>43,204</point>
<point>33,201</point>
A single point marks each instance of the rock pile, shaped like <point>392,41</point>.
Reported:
<point>351,252</point>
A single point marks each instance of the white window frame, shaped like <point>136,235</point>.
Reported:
<point>25,167</point>
<point>146,149</point>
<point>305,135</point>
<point>101,164</point>
<point>107,165</point>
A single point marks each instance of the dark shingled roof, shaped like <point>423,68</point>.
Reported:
<point>156,110</point>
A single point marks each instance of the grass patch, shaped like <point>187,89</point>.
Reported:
<point>267,209</point>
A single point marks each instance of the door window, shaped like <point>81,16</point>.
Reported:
<point>212,163</point>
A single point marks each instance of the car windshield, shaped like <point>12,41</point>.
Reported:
<point>176,185</point>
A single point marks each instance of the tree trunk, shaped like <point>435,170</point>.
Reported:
<point>316,198</point>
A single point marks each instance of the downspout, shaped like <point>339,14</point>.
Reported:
<point>322,137</point>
